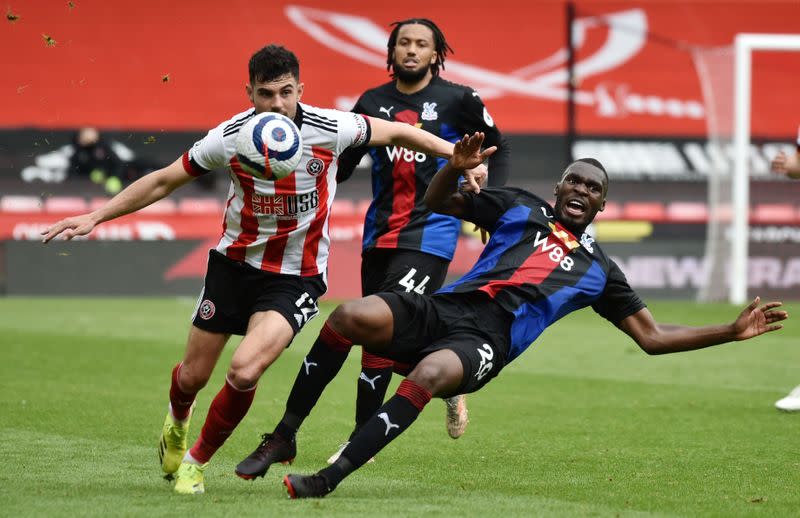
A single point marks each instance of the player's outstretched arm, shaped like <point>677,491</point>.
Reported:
<point>141,193</point>
<point>655,338</point>
<point>405,135</point>
<point>442,195</point>
<point>788,165</point>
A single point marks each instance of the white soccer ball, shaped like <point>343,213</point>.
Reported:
<point>269,146</point>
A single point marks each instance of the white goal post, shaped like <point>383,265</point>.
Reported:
<point>745,44</point>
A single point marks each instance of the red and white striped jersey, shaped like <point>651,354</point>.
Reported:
<point>281,226</point>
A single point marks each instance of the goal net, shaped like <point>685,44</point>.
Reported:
<point>726,76</point>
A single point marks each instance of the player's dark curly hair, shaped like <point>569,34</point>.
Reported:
<point>439,43</point>
<point>272,62</point>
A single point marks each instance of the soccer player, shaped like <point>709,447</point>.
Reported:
<point>406,247</point>
<point>538,266</point>
<point>789,165</point>
<point>269,268</point>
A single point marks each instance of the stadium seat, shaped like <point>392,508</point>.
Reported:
<point>687,212</point>
<point>163,206</point>
<point>66,205</point>
<point>613,211</point>
<point>362,206</point>
<point>644,210</point>
<point>343,207</point>
<point>96,203</point>
<point>199,206</point>
<point>773,214</point>
<point>16,203</point>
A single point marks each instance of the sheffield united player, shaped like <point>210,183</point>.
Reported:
<point>538,266</point>
<point>789,165</point>
<point>269,268</point>
<point>406,247</point>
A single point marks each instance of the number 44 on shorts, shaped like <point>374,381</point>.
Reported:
<point>409,284</point>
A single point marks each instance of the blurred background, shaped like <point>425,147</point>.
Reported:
<point>95,94</point>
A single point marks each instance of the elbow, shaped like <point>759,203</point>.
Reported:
<point>650,346</point>
<point>431,203</point>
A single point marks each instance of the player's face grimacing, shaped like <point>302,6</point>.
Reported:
<point>414,53</point>
<point>278,95</point>
<point>580,195</point>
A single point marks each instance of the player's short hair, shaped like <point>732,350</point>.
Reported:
<point>272,62</point>
<point>439,43</point>
<point>596,163</point>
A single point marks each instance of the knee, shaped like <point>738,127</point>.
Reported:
<point>346,319</point>
<point>245,375</point>
<point>192,379</point>
<point>432,376</point>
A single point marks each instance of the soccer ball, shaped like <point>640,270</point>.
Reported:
<point>269,146</point>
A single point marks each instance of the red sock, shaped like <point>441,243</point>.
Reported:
<point>416,394</point>
<point>370,361</point>
<point>334,340</point>
<point>180,401</point>
<point>227,410</point>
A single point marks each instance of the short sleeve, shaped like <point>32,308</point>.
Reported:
<point>206,154</point>
<point>475,117</point>
<point>354,130</point>
<point>618,300</point>
<point>487,207</point>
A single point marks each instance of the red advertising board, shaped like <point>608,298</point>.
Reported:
<point>182,65</point>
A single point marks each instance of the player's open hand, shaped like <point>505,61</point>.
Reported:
<point>70,227</point>
<point>786,164</point>
<point>467,155</point>
<point>778,164</point>
<point>474,179</point>
<point>756,320</point>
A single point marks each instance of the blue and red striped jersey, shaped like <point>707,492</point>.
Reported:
<point>538,270</point>
<point>397,217</point>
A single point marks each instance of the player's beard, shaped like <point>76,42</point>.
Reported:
<point>409,76</point>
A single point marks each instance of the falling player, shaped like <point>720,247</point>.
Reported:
<point>538,266</point>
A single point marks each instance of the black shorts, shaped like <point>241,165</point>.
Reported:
<point>234,291</point>
<point>392,269</point>
<point>471,325</point>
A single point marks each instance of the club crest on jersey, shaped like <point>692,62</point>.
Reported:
<point>429,112</point>
<point>586,241</point>
<point>206,310</point>
<point>315,166</point>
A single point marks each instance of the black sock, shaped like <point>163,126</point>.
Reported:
<point>336,472</point>
<point>286,429</point>
<point>371,389</point>
<point>389,421</point>
<point>320,366</point>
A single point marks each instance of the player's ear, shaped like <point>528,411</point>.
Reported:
<point>555,189</point>
<point>249,89</point>
<point>299,90</point>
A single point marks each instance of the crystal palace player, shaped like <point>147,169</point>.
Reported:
<point>538,266</point>
<point>406,247</point>
<point>269,268</point>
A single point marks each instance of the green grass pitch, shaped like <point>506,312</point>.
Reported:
<point>583,424</point>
